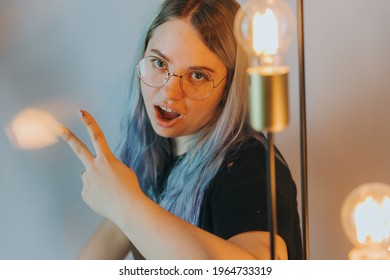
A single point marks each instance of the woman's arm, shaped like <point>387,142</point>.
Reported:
<point>108,243</point>
<point>112,190</point>
<point>159,234</point>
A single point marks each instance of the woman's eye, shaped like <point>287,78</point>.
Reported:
<point>158,63</point>
<point>197,76</point>
<point>200,75</point>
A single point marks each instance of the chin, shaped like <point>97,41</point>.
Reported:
<point>165,132</point>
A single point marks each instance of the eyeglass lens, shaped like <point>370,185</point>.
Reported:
<point>195,82</point>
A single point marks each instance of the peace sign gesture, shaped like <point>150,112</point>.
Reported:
<point>107,182</point>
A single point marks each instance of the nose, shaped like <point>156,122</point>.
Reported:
<point>172,89</point>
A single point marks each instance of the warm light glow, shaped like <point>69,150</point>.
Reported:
<point>365,217</point>
<point>372,220</point>
<point>265,29</point>
<point>265,33</point>
<point>33,129</point>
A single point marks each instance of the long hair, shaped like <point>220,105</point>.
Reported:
<point>149,154</point>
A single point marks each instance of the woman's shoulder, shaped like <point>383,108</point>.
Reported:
<point>246,153</point>
<point>251,144</point>
<point>247,161</point>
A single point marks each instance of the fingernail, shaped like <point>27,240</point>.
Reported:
<point>61,130</point>
<point>81,113</point>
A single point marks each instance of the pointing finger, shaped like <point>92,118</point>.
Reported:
<point>96,134</point>
<point>78,147</point>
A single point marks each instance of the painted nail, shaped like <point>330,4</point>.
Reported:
<point>82,113</point>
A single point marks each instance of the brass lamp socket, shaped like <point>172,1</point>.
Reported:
<point>268,99</point>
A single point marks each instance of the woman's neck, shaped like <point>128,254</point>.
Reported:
<point>182,144</point>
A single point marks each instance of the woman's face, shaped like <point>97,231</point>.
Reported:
<point>171,112</point>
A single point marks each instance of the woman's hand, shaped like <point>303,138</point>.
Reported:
<point>107,182</point>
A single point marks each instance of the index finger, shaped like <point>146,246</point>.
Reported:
<point>96,134</point>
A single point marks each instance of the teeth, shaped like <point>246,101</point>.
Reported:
<point>166,109</point>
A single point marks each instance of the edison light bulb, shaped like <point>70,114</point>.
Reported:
<point>33,129</point>
<point>265,29</point>
<point>365,217</point>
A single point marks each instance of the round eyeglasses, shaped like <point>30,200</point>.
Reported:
<point>196,83</point>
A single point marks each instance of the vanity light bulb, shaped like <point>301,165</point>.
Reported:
<point>365,217</point>
<point>265,29</point>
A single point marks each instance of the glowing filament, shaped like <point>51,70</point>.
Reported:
<point>265,33</point>
<point>372,220</point>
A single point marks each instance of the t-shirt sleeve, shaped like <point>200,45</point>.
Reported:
<point>237,202</point>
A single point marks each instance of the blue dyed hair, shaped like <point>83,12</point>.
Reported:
<point>149,154</point>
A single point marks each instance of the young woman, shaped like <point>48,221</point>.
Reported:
<point>191,179</point>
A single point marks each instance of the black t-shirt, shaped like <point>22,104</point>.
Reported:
<point>236,199</point>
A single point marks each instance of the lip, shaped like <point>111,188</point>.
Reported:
<point>164,122</point>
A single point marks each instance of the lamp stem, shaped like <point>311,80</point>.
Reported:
<point>271,191</point>
<point>303,134</point>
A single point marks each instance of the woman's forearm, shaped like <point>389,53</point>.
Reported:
<point>108,242</point>
<point>159,234</point>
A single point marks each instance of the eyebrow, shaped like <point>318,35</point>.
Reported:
<point>160,54</point>
<point>156,51</point>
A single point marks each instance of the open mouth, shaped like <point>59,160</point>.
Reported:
<point>166,114</point>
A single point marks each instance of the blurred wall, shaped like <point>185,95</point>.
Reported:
<point>61,55</point>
